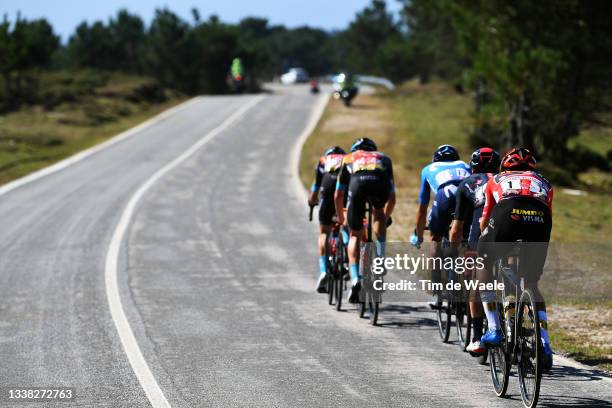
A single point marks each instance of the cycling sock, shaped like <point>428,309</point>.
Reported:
<point>477,323</point>
<point>543,326</point>
<point>322,264</point>
<point>490,306</point>
<point>354,273</point>
<point>380,247</point>
<point>345,237</point>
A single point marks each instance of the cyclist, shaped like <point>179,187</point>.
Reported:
<point>322,192</point>
<point>470,203</point>
<point>442,176</point>
<point>518,206</point>
<point>367,174</point>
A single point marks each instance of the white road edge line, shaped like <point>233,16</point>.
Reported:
<point>69,161</point>
<point>128,340</point>
<point>294,161</point>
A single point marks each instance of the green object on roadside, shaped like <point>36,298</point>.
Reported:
<point>237,67</point>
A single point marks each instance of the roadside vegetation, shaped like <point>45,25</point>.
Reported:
<point>79,109</point>
<point>410,122</point>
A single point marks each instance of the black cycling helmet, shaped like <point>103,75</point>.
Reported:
<point>334,150</point>
<point>485,160</point>
<point>445,153</point>
<point>364,144</point>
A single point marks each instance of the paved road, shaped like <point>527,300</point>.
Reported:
<point>216,279</point>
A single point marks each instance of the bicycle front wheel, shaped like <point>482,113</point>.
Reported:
<point>529,349</point>
<point>499,360</point>
<point>464,325</point>
<point>444,317</point>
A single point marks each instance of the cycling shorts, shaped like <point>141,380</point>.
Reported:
<point>364,186</point>
<point>513,219</point>
<point>326,198</point>
<point>474,233</point>
<point>442,210</point>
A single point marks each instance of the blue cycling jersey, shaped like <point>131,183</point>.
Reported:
<point>437,174</point>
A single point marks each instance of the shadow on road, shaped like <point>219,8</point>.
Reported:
<point>389,311</point>
<point>562,401</point>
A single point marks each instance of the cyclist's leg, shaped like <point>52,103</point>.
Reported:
<point>379,196</point>
<point>488,252</point>
<point>440,218</point>
<point>326,212</point>
<point>476,308</point>
<point>355,211</point>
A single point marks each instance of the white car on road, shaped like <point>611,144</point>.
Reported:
<point>294,76</point>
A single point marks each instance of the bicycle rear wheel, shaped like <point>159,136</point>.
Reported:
<point>482,360</point>
<point>331,285</point>
<point>444,317</point>
<point>339,289</point>
<point>374,306</point>
<point>529,349</point>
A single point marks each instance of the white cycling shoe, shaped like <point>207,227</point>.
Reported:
<point>476,348</point>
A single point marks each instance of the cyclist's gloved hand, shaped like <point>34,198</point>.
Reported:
<point>415,241</point>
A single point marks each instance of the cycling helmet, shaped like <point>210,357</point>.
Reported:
<point>445,153</point>
<point>364,144</point>
<point>485,160</point>
<point>334,150</point>
<point>519,158</point>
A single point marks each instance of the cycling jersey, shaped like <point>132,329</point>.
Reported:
<point>439,174</point>
<point>370,179</point>
<point>364,161</point>
<point>470,195</point>
<point>441,178</point>
<point>526,184</point>
<point>469,204</point>
<point>326,174</point>
<point>518,205</point>
<point>327,164</point>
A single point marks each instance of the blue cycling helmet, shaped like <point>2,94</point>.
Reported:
<point>445,153</point>
<point>364,144</point>
<point>334,150</point>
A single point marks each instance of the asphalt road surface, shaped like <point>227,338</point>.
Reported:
<point>215,276</point>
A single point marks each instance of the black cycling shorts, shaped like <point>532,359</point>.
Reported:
<point>372,186</point>
<point>474,233</point>
<point>442,210</point>
<point>513,219</point>
<point>327,208</point>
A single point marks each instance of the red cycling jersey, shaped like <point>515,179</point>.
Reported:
<point>516,184</point>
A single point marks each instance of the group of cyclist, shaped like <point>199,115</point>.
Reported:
<point>492,200</point>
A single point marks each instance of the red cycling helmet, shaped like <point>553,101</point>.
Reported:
<point>519,158</point>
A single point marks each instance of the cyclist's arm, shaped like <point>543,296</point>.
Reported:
<point>390,205</point>
<point>341,186</point>
<point>316,184</point>
<point>488,205</point>
<point>461,209</point>
<point>421,216</point>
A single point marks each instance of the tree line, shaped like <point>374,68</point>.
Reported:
<point>538,71</point>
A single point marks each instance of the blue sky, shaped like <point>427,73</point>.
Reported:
<point>65,15</point>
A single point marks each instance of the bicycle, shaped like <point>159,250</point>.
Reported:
<point>464,329</point>
<point>337,258</point>
<point>370,296</point>
<point>452,303</point>
<point>520,326</point>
